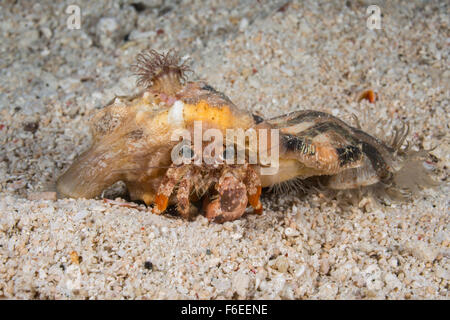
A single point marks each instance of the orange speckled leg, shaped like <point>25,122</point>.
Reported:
<point>253,184</point>
<point>161,202</point>
<point>254,201</point>
<point>170,180</point>
<point>184,190</point>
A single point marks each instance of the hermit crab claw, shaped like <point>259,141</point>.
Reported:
<point>231,201</point>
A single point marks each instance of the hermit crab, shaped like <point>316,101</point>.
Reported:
<point>179,142</point>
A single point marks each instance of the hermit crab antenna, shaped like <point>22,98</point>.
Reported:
<point>160,72</point>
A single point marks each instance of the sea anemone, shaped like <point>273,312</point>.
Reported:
<point>160,72</point>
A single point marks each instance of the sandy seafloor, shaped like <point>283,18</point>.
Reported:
<point>269,57</point>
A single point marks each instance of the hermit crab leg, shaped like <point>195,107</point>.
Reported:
<point>253,185</point>
<point>183,193</point>
<point>170,180</point>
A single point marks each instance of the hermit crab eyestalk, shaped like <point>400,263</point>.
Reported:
<point>159,72</point>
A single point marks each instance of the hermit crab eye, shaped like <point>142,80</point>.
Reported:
<point>186,152</point>
<point>228,154</point>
